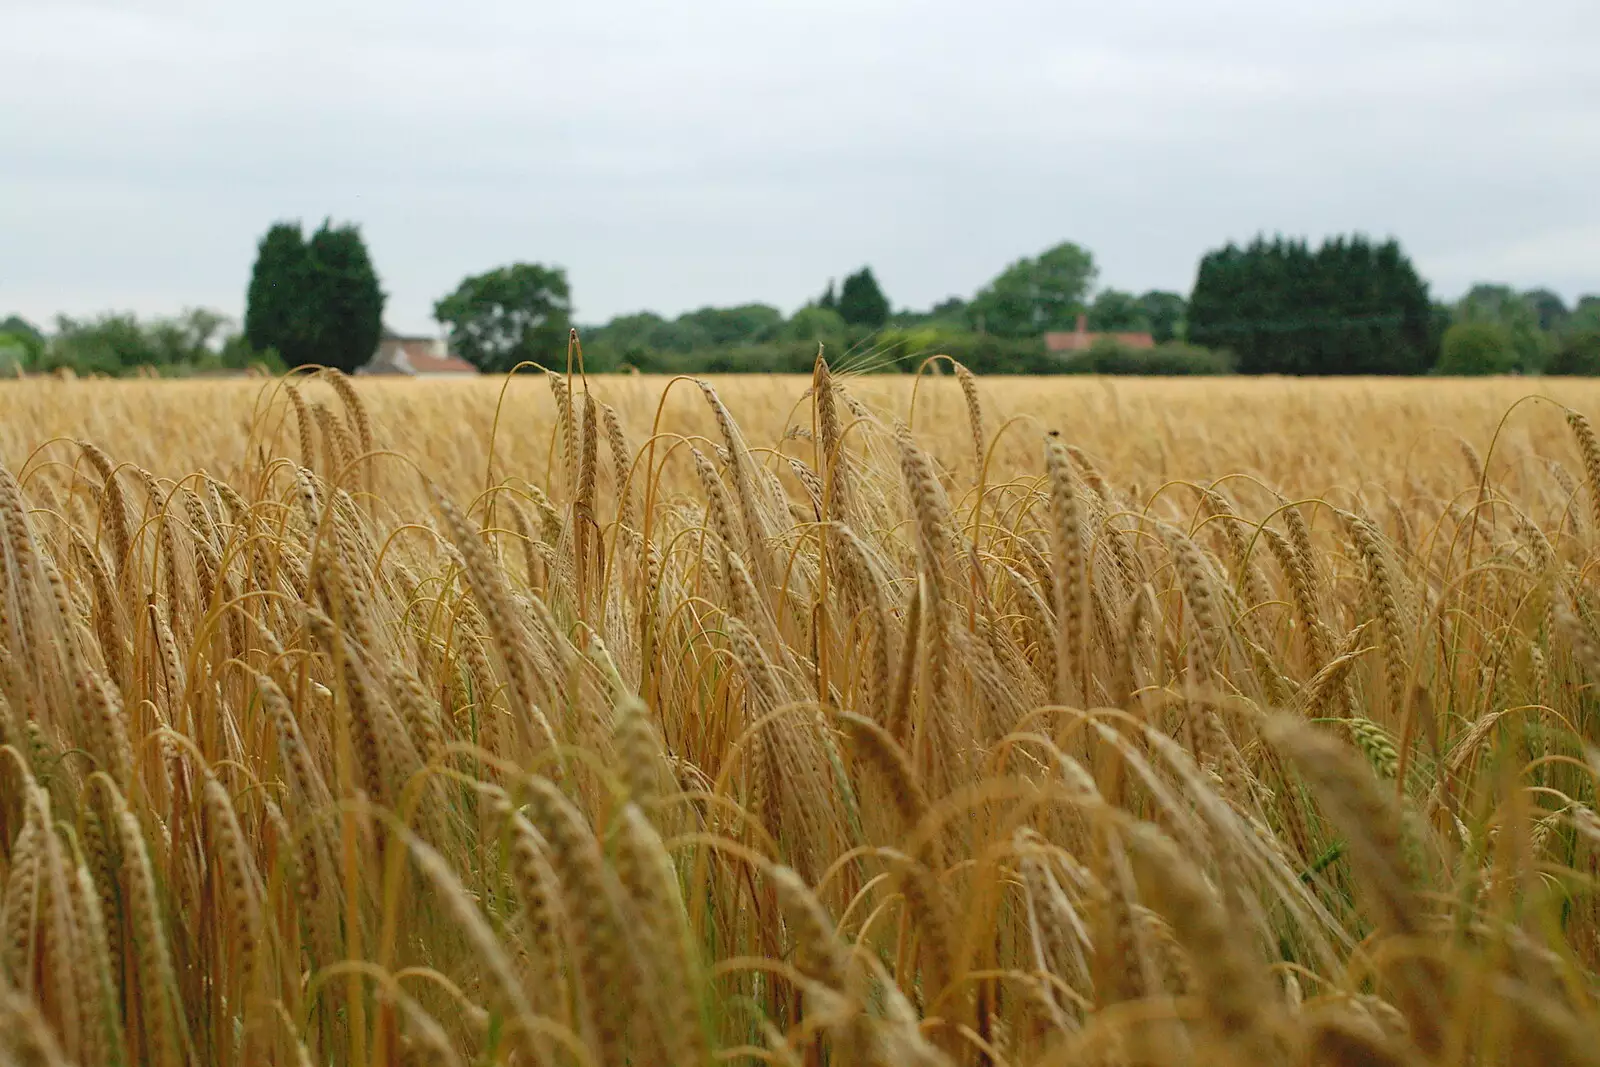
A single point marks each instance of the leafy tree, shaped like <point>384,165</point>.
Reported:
<point>1504,306</point>
<point>509,314</point>
<point>1490,301</point>
<point>1579,354</point>
<point>1585,314</point>
<point>829,300</point>
<point>117,343</point>
<point>277,312</point>
<point>624,334</point>
<point>1115,311</point>
<point>1482,347</point>
<point>22,329</point>
<point>746,324</point>
<point>1548,307</point>
<point>190,338</point>
<point>949,314</point>
<point>1350,307</point>
<point>343,298</point>
<point>861,302</point>
<point>104,344</point>
<point>1032,296</point>
<point>680,335</point>
<point>315,301</point>
<point>815,323</point>
<point>1444,316</point>
<point>21,343</point>
<point>1165,313</point>
<point>649,342</point>
<point>15,354</point>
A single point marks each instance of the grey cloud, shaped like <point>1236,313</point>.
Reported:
<point>673,155</point>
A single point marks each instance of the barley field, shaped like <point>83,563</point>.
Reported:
<point>834,720</point>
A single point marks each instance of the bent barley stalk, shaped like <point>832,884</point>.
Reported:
<point>1233,744</point>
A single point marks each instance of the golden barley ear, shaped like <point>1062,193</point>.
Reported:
<point>1366,813</point>
<point>640,751</point>
<point>832,461</point>
<point>1589,449</point>
<point>878,749</point>
<point>969,390</point>
<point>1238,1005</point>
<point>598,937</point>
<point>355,408</point>
<point>25,1037</point>
<point>1333,1041</point>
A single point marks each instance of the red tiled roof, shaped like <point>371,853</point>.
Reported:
<point>1083,341</point>
<point>415,355</point>
<point>424,361</point>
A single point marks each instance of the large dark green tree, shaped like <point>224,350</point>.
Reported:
<point>861,301</point>
<point>1350,307</point>
<point>277,312</point>
<point>510,314</point>
<point>315,301</point>
<point>343,297</point>
<point>1034,295</point>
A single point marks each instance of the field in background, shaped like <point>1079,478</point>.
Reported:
<point>1303,436</point>
<point>1052,721</point>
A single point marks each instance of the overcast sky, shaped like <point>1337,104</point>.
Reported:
<point>673,155</point>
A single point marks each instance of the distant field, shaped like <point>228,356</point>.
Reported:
<point>1304,436</point>
<point>1055,721</point>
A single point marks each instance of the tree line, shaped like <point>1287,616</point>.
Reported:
<point>1350,306</point>
<point>1278,306</point>
<point>197,341</point>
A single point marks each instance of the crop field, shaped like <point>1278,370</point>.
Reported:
<point>840,720</point>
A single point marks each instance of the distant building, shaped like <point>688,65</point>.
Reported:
<point>415,357</point>
<point>1081,340</point>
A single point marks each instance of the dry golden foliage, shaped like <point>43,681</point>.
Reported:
<point>333,731</point>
